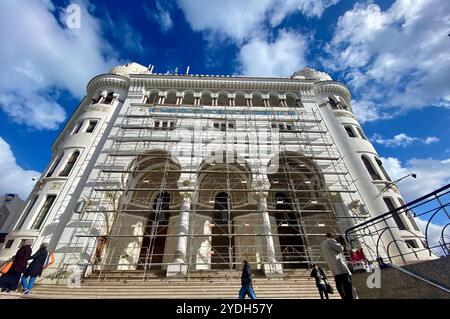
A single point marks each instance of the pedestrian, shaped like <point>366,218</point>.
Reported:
<point>246,282</point>
<point>10,280</point>
<point>35,268</point>
<point>332,252</point>
<point>321,280</point>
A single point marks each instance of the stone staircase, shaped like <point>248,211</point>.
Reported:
<point>210,284</point>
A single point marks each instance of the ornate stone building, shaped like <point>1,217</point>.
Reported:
<point>183,173</point>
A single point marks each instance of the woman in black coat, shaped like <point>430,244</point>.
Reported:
<point>35,268</point>
<point>321,280</point>
<point>10,280</point>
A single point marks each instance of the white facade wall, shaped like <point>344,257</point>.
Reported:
<point>74,236</point>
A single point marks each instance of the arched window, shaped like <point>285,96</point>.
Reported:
<point>109,98</point>
<point>55,164</point>
<point>96,100</point>
<point>372,172</point>
<point>349,131</point>
<point>361,133</point>
<point>49,200</point>
<point>291,100</point>
<point>380,165</point>
<point>333,103</point>
<point>409,215</point>
<point>153,98</point>
<point>70,164</point>
<point>396,216</point>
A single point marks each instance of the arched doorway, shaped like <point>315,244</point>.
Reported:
<point>154,240</point>
<point>222,240</point>
<point>292,245</point>
<point>302,207</point>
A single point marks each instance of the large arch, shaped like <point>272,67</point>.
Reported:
<point>224,187</point>
<point>151,197</point>
<point>302,208</point>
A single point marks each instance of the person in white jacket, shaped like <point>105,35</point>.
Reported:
<point>332,252</point>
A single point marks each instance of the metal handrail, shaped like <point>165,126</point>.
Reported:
<point>406,206</point>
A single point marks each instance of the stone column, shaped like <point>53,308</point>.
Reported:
<point>272,267</point>
<point>179,266</point>
<point>184,227</point>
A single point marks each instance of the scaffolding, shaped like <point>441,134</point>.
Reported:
<point>234,163</point>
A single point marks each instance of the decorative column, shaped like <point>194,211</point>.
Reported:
<point>179,266</point>
<point>272,267</point>
<point>183,227</point>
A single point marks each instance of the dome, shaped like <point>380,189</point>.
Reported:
<point>130,68</point>
<point>311,74</point>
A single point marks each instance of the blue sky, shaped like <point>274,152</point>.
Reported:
<point>393,55</point>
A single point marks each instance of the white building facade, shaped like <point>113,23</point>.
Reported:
<point>183,173</point>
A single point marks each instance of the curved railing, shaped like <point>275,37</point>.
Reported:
<point>431,210</point>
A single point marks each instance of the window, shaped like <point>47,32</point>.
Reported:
<point>164,124</point>
<point>96,100</point>
<point>380,165</point>
<point>412,243</point>
<point>77,127</point>
<point>91,126</point>
<point>70,164</point>
<point>223,127</point>
<point>156,124</point>
<point>230,125</point>
<point>216,125</point>
<point>44,211</point>
<point>370,168</point>
<point>273,125</point>
<point>349,131</point>
<point>289,127</point>
<point>54,165</point>
<point>9,243</point>
<point>398,220</point>
<point>109,98</point>
<point>172,124</point>
<point>409,215</point>
<point>361,133</point>
<point>30,207</point>
<point>333,104</point>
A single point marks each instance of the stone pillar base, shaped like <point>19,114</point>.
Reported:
<point>176,270</point>
<point>273,269</point>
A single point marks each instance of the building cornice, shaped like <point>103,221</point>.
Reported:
<point>333,87</point>
<point>107,80</point>
<point>140,83</point>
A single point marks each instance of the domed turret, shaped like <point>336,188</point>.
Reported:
<point>311,74</point>
<point>130,68</point>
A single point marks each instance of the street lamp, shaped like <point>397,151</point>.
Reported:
<point>390,184</point>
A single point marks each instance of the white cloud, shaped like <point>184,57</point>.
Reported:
<point>160,16</point>
<point>367,111</point>
<point>240,20</point>
<point>434,235</point>
<point>395,58</point>
<point>40,57</point>
<point>14,179</point>
<point>431,175</point>
<point>403,140</point>
<point>309,8</point>
<point>279,58</point>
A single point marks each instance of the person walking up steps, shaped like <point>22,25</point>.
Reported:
<point>246,282</point>
<point>35,268</point>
